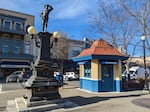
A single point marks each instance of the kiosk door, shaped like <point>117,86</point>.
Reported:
<point>107,78</point>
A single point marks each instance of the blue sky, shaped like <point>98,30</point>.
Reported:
<point>70,16</point>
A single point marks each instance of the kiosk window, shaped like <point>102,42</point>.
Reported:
<point>87,70</point>
<point>107,72</point>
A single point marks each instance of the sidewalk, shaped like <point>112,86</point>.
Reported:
<point>94,102</point>
<point>107,101</point>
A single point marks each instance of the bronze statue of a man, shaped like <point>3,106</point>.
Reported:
<point>44,15</point>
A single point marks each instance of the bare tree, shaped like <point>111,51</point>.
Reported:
<point>140,11</point>
<point>60,51</point>
<point>116,25</point>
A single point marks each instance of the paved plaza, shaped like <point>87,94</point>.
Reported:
<point>129,101</point>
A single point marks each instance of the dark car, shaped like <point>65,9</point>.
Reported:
<point>18,76</point>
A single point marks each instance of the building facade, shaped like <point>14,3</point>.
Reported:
<point>16,48</point>
<point>67,48</point>
<point>64,50</point>
<point>75,47</point>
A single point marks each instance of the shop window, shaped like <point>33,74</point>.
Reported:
<point>75,52</point>
<point>27,47</point>
<point>87,70</point>
<point>16,46</point>
<point>107,71</point>
<point>18,26</point>
<point>5,46</point>
<point>7,24</point>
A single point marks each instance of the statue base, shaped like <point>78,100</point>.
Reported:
<point>42,93</point>
<point>41,88</point>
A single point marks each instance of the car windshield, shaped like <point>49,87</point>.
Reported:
<point>16,73</point>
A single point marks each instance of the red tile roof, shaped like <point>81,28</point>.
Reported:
<point>101,47</point>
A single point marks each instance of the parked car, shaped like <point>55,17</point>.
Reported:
<point>136,72</point>
<point>71,76</point>
<point>18,76</point>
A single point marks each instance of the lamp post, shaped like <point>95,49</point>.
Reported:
<point>144,56</point>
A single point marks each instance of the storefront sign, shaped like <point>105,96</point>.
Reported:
<point>109,62</point>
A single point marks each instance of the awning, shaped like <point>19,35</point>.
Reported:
<point>9,64</point>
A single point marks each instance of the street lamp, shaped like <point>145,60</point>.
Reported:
<point>144,56</point>
<point>32,31</point>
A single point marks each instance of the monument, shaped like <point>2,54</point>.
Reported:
<point>42,84</point>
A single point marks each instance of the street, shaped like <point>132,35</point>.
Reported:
<point>15,86</point>
<point>74,83</point>
<point>11,86</point>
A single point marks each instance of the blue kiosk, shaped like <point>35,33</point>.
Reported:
<point>100,67</point>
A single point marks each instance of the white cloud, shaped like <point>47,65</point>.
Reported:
<point>72,8</point>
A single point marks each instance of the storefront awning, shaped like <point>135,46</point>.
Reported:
<point>8,64</point>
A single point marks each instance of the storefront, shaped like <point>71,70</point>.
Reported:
<point>100,67</point>
<point>7,67</point>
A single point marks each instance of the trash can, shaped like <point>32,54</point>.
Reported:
<point>59,78</point>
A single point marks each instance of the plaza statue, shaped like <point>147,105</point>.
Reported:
<point>44,15</point>
<point>42,85</point>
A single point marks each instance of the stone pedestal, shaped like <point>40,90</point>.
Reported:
<point>41,88</point>
<point>42,84</point>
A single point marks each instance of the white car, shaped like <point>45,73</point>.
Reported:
<point>16,76</point>
<point>71,76</point>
